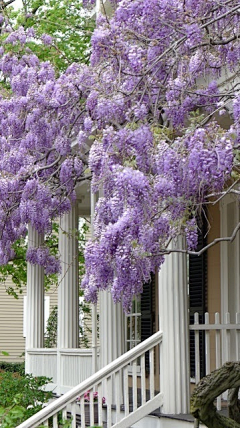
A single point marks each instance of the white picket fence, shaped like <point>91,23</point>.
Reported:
<point>222,343</point>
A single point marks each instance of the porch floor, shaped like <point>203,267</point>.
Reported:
<point>157,413</point>
<point>187,417</point>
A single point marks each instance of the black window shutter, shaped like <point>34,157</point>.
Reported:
<point>197,295</point>
<point>147,313</point>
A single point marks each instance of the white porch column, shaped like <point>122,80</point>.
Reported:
<point>173,314</point>
<point>111,329</point>
<point>94,307</point>
<point>68,294</point>
<point>111,333</point>
<point>35,299</point>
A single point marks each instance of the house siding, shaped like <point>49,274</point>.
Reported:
<point>11,322</point>
<point>213,269</point>
<point>11,326</point>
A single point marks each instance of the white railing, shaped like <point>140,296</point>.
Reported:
<point>221,342</point>
<point>66,367</point>
<point>42,360</point>
<point>130,393</point>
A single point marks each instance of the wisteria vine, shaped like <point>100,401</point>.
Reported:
<point>40,116</point>
<point>161,98</point>
<point>168,77</point>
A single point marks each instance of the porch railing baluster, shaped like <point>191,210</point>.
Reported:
<point>100,400</point>
<point>64,414</point>
<point>91,408</point>
<point>118,391</point>
<point>197,353</point>
<point>151,358</point>
<point>73,415</point>
<point>207,344</point>
<point>82,406</point>
<point>134,384</point>
<point>55,421</point>
<point>126,390</point>
<point>143,380</point>
<point>228,338</point>
<point>109,401</point>
<point>218,353</point>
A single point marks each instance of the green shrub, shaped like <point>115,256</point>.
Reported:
<point>21,396</point>
<point>12,367</point>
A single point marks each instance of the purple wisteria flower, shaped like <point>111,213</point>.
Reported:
<point>152,159</point>
<point>46,39</point>
<point>145,123</point>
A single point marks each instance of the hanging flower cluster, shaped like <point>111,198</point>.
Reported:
<point>162,77</point>
<point>40,118</point>
<point>161,148</point>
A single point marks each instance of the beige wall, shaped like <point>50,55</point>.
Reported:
<point>11,326</point>
<point>214,272</point>
<point>11,323</point>
<point>213,263</point>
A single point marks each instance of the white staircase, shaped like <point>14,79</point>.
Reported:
<point>129,391</point>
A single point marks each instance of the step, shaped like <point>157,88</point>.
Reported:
<point>166,421</point>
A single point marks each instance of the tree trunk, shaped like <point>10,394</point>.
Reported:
<point>209,388</point>
<point>234,405</point>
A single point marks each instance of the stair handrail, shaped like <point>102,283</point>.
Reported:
<point>78,390</point>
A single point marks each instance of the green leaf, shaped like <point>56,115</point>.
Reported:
<point>2,411</point>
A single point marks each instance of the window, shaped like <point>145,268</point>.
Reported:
<point>133,324</point>
<point>140,323</point>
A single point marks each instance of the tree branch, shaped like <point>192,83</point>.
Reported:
<point>4,4</point>
<point>234,404</point>
<point>208,389</point>
<point>198,253</point>
<point>222,194</point>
